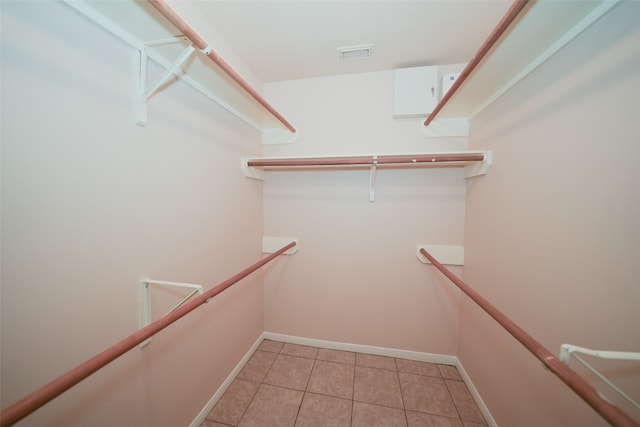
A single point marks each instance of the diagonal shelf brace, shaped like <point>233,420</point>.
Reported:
<point>144,300</point>
<point>567,351</point>
<point>145,93</point>
<point>169,72</point>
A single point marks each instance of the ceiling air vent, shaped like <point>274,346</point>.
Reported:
<point>352,53</point>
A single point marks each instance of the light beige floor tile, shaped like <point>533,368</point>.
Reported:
<point>324,411</point>
<point>417,367</point>
<point>377,386</point>
<point>257,366</point>
<point>419,419</point>
<point>368,415</point>
<point>332,379</point>
<point>290,371</point>
<point>433,395</point>
<point>299,350</point>
<point>272,346</point>
<point>338,356</point>
<point>234,402</point>
<point>449,372</point>
<point>464,402</point>
<point>373,361</point>
<point>426,394</point>
<point>272,407</point>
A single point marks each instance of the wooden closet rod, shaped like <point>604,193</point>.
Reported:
<point>367,160</point>
<point>38,398</point>
<point>204,47</point>
<point>507,19</point>
<point>582,388</point>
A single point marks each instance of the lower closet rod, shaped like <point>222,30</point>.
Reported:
<point>582,388</point>
<point>43,395</point>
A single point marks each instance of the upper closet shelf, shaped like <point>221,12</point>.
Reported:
<point>159,34</point>
<point>529,34</point>
<point>474,162</point>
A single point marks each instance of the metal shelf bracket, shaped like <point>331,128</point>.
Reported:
<point>144,300</point>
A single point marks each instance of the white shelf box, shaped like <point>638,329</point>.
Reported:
<point>416,91</point>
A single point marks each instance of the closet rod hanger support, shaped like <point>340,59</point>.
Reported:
<point>144,300</point>
<point>173,68</point>
<point>568,350</point>
<point>372,180</point>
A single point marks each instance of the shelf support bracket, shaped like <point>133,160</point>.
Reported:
<point>144,300</point>
<point>372,179</point>
<point>567,351</point>
<point>145,93</point>
<point>479,168</point>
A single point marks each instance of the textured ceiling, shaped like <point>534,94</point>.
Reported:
<point>286,40</point>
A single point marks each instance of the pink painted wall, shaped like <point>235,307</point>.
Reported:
<point>552,233</point>
<point>92,203</point>
<point>356,278</point>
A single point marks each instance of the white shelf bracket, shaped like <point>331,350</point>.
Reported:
<point>479,168</point>
<point>567,351</point>
<point>275,136</point>
<point>144,300</point>
<point>372,180</point>
<point>141,104</point>
<point>144,92</point>
<point>250,171</point>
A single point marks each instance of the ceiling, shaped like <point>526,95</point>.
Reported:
<point>294,39</point>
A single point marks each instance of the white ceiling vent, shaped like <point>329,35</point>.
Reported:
<point>352,53</point>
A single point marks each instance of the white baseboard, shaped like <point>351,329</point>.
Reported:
<point>476,396</point>
<point>368,349</point>
<point>358,348</point>
<point>202,415</point>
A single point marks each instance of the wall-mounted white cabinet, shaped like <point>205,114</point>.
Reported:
<point>416,91</point>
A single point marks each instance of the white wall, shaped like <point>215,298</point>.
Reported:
<point>356,278</point>
<point>92,203</point>
<point>552,233</point>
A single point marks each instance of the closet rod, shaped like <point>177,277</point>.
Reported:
<point>204,47</point>
<point>579,385</point>
<point>366,160</point>
<point>38,398</point>
<point>507,19</point>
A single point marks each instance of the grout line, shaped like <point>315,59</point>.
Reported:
<point>353,388</point>
<point>259,384</point>
<point>318,345</point>
<point>452,400</point>
<point>306,387</point>
<point>404,407</point>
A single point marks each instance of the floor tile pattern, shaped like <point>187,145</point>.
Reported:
<point>286,384</point>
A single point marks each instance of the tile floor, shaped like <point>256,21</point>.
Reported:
<point>286,384</point>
